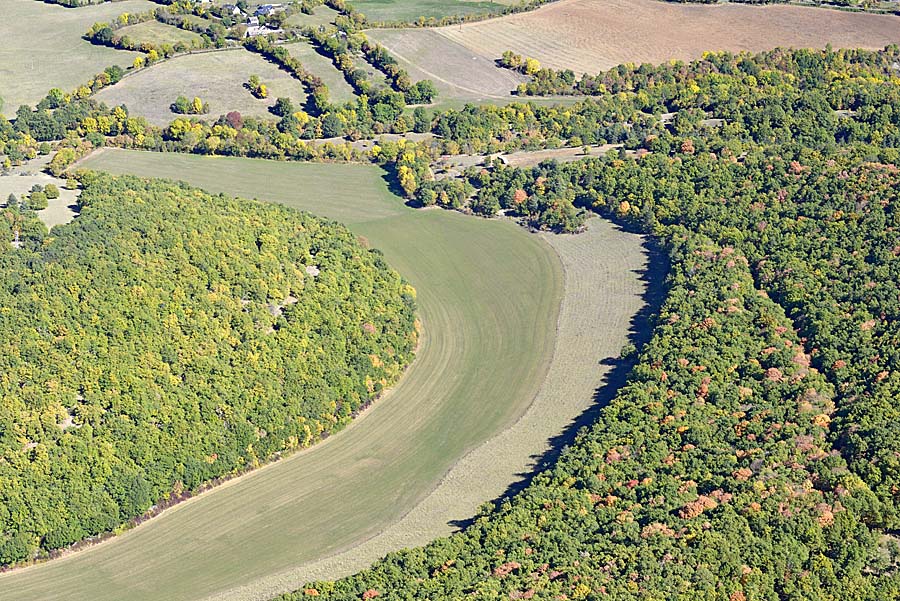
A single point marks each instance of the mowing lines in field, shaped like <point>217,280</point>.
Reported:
<point>489,296</point>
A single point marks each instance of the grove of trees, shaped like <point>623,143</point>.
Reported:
<point>168,337</point>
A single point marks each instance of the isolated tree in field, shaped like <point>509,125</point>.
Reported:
<point>51,191</point>
<point>256,87</point>
<point>182,106</point>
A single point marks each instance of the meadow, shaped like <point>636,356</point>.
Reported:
<point>339,90</point>
<point>42,48</point>
<point>459,73</point>
<point>156,33</point>
<point>322,15</point>
<point>411,10</point>
<point>489,297</point>
<point>218,78</point>
<point>593,35</point>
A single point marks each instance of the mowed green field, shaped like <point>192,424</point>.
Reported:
<point>489,295</point>
<point>42,48</point>
<point>411,10</point>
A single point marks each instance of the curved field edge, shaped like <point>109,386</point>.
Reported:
<point>489,296</point>
<point>605,282</point>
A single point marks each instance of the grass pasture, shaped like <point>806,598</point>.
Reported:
<point>411,10</point>
<point>594,35</point>
<point>338,88</point>
<point>154,32</point>
<point>42,48</point>
<point>489,297</point>
<point>322,15</point>
<point>216,77</point>
<point>459,73</point>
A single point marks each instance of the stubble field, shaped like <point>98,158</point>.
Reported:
<point>594,35</point>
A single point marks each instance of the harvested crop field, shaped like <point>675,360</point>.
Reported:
<point>338,88</point>
<point>489,297</point>
<point>56,55</point>
<point>593,35</point>
<point>458,72</point>
<point>216,77</point>
<point>154,32</point>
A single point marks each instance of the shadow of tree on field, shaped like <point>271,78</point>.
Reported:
<point>393,185</point>
<point>639,333</point>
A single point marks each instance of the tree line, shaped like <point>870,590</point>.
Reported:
<point>753,452</point>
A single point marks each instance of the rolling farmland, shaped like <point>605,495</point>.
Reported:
<point>42,48</point>
<point>458,73</point>
<point>483,286</point>
<point>338,88</point>
<point>154,32</point>
<point>604,268</point>
<point>411,10</point>
<point>593,35</point>
<point>478,344</point>
<point>216,77</point>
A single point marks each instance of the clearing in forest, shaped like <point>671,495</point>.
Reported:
<point>217,78</point>
<point>489,295</point>
<point>458,72</point>
<point>19,181</point>
<point>42,48</point>
<point>594,35</point>
<point>154,32</point>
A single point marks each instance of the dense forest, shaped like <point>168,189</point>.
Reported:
<point>753,453</point>
<point>168,337</point>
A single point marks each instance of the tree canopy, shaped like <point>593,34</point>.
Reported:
<point>167,337</point>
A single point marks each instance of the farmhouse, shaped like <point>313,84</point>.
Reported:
<point>257,30</point>
<point>268,9</point>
